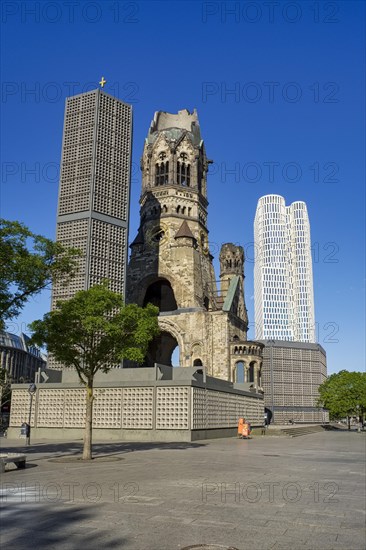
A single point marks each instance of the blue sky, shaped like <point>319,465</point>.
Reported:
<point>279,88</point>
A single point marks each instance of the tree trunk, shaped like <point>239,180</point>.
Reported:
<point>349,422</point>
<point>87,451</point>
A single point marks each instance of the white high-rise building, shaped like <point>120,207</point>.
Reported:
<point>283,274</point>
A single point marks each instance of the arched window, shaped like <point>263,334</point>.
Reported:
<point>239,372</point>
<point>161,173</point>
<point>200,176</point>
<point>251,373</point>
<point>183,173</point>
<point>197,363</point>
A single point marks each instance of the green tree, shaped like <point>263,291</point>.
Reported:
<point>344,395</point>
<point>94,331</point>
<point>5,391</point>
<point>4,384</point>
<point>28,264</point>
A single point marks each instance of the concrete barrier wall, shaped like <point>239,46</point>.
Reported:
<point>156,410</point>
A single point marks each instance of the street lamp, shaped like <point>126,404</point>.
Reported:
<point>31,390</point>
<point>272,343</point>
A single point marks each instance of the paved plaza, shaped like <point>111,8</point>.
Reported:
<point>267,493</point>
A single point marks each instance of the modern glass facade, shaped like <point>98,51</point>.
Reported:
<point>283,278</point>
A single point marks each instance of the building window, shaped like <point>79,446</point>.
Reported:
<point>161,173</point>
<point>239,373</point>
<point>183,170</point>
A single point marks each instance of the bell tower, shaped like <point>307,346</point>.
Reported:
<point>171,248</point>
<point>231,276</point>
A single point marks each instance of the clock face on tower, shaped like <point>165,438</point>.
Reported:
<point>157,235</point>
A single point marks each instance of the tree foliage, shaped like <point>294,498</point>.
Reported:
<point>28,264</point>
<point>344,394</point>
<point>5,382</point>
<point>94,331</point>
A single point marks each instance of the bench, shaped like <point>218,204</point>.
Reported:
<point>15,458</point>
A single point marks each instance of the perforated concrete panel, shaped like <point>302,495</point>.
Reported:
<point>172,408</point>
<point>138,408</point>
<point>50,408</point>
<point>107,408</point>
<point>74,408</point>
<point>20,403</point>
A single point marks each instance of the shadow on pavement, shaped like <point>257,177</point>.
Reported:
<point>74,448</point>
<point>39,525</point>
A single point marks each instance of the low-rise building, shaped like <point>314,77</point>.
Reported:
<point>19,358</point>
<point>291,375</point>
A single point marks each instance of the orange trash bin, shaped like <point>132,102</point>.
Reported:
<point>243,428</point>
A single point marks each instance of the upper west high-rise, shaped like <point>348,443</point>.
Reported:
<point>93,202</point>
<point>283,276</point>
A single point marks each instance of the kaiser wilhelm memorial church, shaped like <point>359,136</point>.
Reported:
<point>171,265</point>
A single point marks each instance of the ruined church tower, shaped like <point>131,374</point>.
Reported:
<point>171,265</point>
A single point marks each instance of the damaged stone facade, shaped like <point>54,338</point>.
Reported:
<point>171,265</point>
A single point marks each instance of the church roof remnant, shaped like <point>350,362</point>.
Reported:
<point>174,125</point>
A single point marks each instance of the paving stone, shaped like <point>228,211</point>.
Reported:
<point>168,509</point>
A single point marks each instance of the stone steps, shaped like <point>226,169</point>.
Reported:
<point>302,430</point>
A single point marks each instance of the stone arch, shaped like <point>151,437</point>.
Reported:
<point>161,349</point>
<point>160,294</point>
<point>140,290</point>
<point>197,353</point>
<point>162,346</point>
<point>168,326</point>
